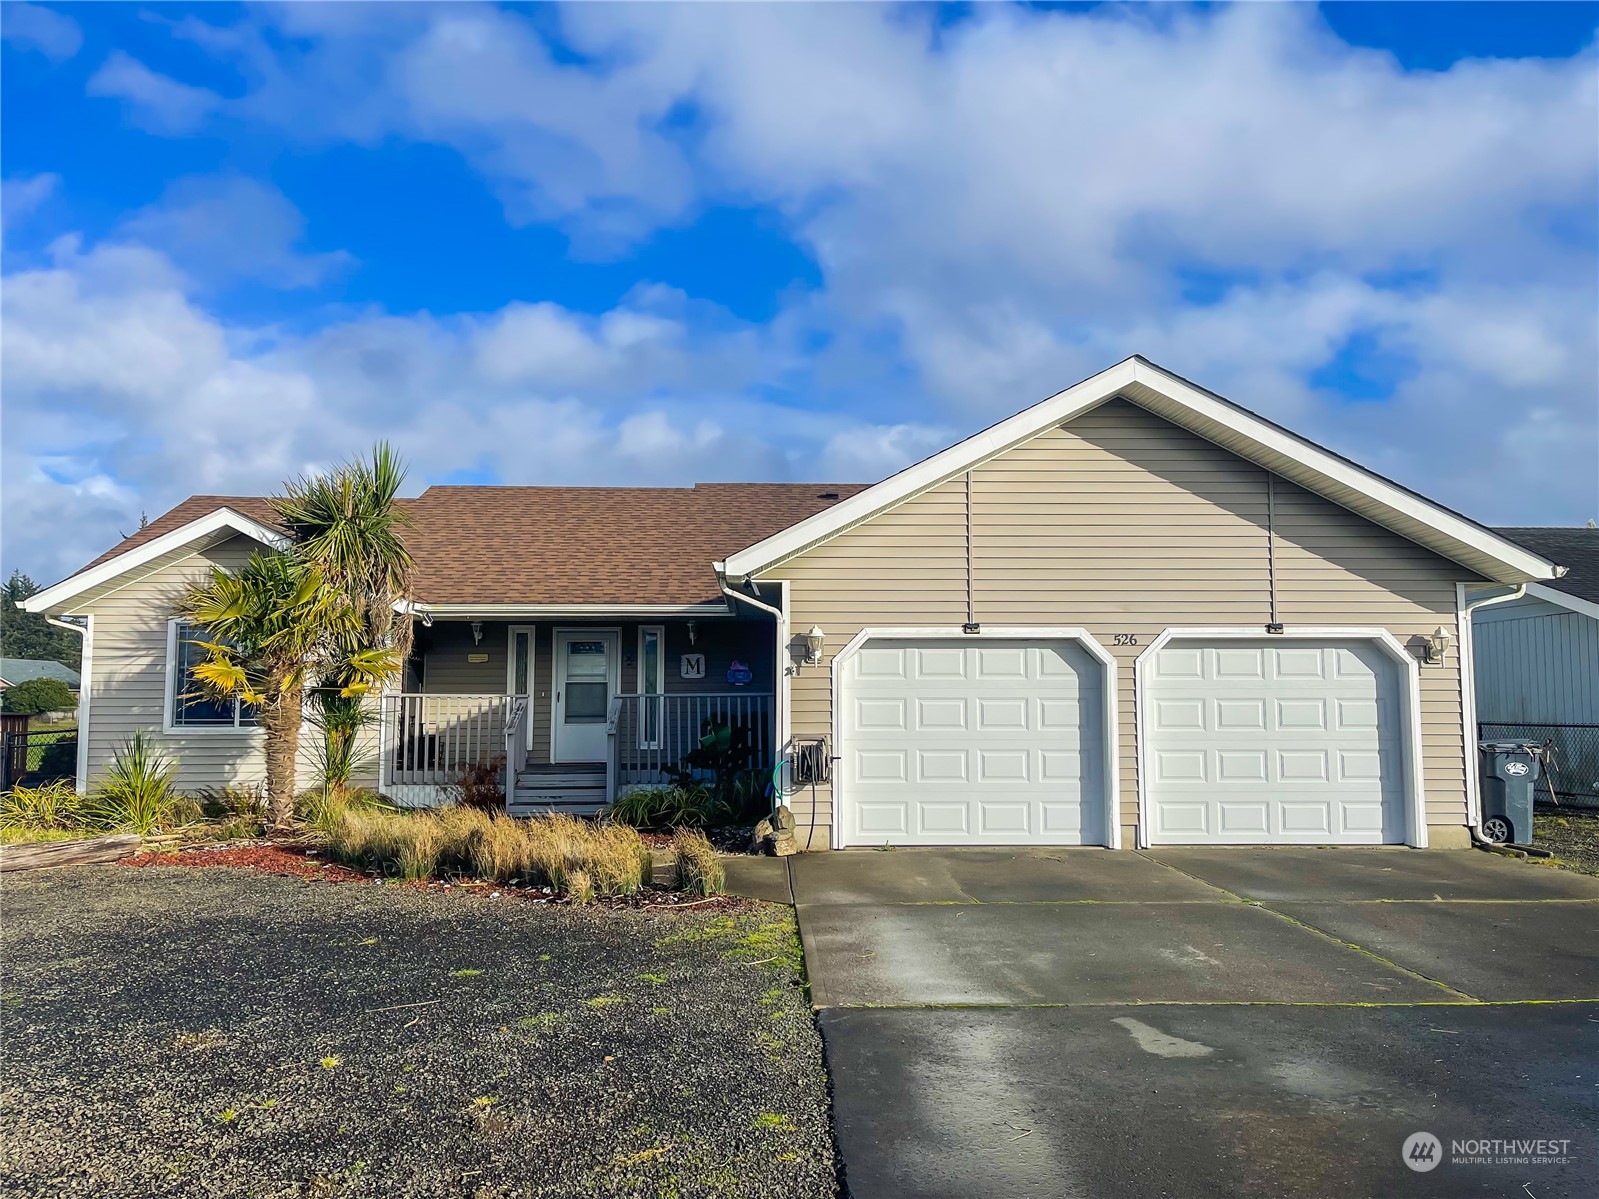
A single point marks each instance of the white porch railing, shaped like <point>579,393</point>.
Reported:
<point>431,739</point>
<point>651,735</point>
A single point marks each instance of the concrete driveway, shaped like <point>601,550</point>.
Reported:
<point>1186,1022</point>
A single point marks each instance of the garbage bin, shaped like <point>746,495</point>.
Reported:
<point>1509,773</point>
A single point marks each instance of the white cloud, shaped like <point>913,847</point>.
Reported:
<point>124,394</point>
<point>52,34</point>
<point>155,102</point>
<point>20,195</point>
<point>998,208</point>
<point>227,227</point>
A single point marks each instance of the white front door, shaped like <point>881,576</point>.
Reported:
<point>1293,742</point>
<point>587,674</point>
<point>968,741</point>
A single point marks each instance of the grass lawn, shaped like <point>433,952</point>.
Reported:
<point>225,1032</point>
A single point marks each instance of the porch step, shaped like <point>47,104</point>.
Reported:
<point>579,790</point>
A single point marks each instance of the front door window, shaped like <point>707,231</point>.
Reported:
<point>587,681</point>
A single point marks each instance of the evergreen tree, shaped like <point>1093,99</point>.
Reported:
<point>28,634</point>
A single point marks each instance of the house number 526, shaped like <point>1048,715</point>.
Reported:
<point>1126,638</point>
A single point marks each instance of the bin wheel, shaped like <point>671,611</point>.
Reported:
<point>1496,829</point>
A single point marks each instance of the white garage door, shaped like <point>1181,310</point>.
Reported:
<point>1272,741</point>
<point>970,742</point>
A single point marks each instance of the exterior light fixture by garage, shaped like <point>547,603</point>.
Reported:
<point>814,640</point>
<point>1437,645</point>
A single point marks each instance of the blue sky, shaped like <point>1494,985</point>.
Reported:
<point>670,243</point>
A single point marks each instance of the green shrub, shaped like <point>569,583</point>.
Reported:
<point>217,803</point>
<point>52,807</point>
<point>137,791</point>
<point>698,869</point>
<point>687,805</point>
<point>37,696</point>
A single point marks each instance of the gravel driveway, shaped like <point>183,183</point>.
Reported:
<point>227,1033</point>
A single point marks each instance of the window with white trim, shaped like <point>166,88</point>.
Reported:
<point>651,683</point>
<point>189,707</point>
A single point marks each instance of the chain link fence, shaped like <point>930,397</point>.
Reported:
<point>1571,760</point>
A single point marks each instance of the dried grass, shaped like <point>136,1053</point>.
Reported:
<point>698,870</point>
<point>562,852</point>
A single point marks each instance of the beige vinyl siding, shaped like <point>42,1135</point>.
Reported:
<point>1123,523</point>
<point>127,681</point>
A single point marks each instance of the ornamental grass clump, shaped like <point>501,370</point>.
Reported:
<point>137,792</point>
<point>500,852</point>
<point>51,807</point>
<point>566,854</point>
<point>698,870</point>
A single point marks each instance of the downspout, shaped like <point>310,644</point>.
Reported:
<point>780,622</point>
<point>85,662</point>
<point>1475,763</point>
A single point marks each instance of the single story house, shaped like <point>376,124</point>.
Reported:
<point>22,670</point>
<point>1132,614</point>
<point>1536,658</point>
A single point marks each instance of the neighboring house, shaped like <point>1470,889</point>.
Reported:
<point>1536,656</point>
<point>1134,613</point>
<point>20,670</point>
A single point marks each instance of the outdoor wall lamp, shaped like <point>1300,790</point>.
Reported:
<point>1437,645</point>
<point>814,640</point>
<point>477,632</point>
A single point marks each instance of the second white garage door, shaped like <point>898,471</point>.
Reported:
<point>1273,741</point>
<point>968,742</point>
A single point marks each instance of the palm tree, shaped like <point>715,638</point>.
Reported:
<point>347,524</point>
<point>270,624</point>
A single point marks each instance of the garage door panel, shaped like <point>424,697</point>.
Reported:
<point>875,715</point>
<point>1179,663</point>
<point>1240,714</point>
<point>998,743</point>
<point>1180,714</point>
<point>1009,663</point>
<point>939,663</point>
<point>1000,819</point>
<point>1266,743</point>
<point>943,819</point>
<point>941,766</point>
<point>873,663</point>
<point>940,715</point>
<point>1299,664</point>
<point>1238,818</point>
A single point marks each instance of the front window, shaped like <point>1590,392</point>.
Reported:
<point>651,683</point>
<point>189,706</point>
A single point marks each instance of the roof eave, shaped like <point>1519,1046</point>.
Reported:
<point>217,525</point>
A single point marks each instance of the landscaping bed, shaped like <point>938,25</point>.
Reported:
<point>1571,834</point>
<point>229,1032</point>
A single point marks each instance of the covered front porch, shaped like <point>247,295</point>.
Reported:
<point>580,708</point>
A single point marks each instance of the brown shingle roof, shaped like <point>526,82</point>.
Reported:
<point>568,545</point>
<point>193,508</point>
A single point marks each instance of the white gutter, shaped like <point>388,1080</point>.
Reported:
<point>1468,695</point>
<point>85,664</point>
<point>780,649</point>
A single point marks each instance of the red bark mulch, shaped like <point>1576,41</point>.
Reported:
<point>274,859</point>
